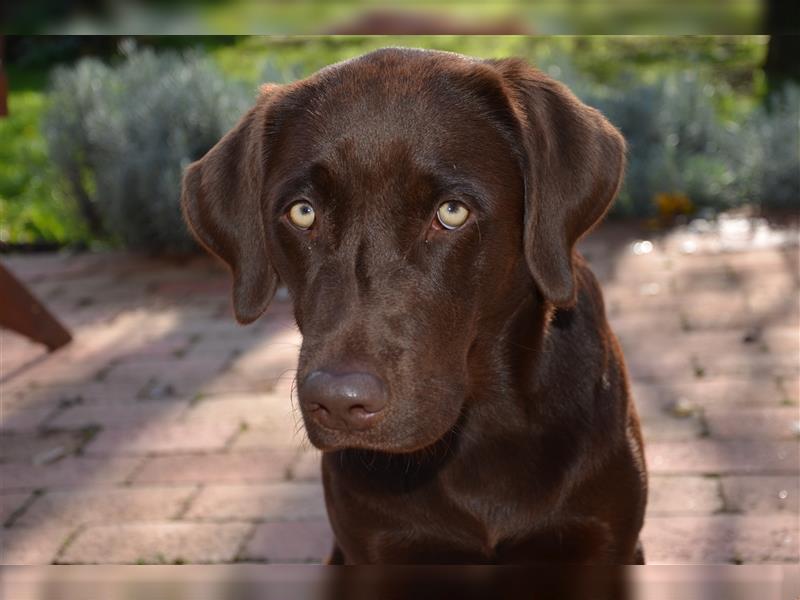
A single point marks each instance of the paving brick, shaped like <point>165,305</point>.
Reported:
<point>31,545</point>
<point>39,447</point>
<point>708,456</point>
<point>283,501</point>
<point>11,503</point>
<point>254,409</point>
<point>755,423</point>
<point>270,379</point>
<point>132,413</point>
<point>676,495</point>
<point>723,342</point>
<point>626,268</point>
<point>24,419</point>
<point>90,392</point>
<point>757,261</point>
<point>721,392</point>
<point>106,505</point>
<point>146,438</point>
<point>670,427</point>
<point>721,539</point>
<point>773,298</point>
<point>52,371</point>
<point>703,310</point>
<point>762,494</point>
<point>703,273</point>
<point>156,542</point>
<point>307,466</point>
<point>290,435</point>
<point>790,390</point>
<point>230,382</point>
<point>162,350</point>
<point>184,377</point>
<point>27,397</point>
<point>782,339</point>
<point>19,352</point>
<point>225,347</point>
<point>272,356</point>
<point>630,325</point>
<point>647,361</point>
<point>68,472</point>
<point>746,364</point>
<point>639,297</point>
<point>296,542</point>
<point>219,326</point>
<point>232,467</point>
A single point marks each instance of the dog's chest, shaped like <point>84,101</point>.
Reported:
<point>500,508</point>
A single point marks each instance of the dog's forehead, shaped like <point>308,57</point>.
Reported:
<point>422,99</point>
<point>397,115</point>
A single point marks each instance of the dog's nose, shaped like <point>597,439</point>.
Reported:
<point>346,401</point>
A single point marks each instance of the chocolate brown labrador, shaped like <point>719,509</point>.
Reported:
<point>457,369</point>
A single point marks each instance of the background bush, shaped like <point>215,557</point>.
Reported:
<point>121,131</point>
<point>123,135</point>
<point>680,142</point>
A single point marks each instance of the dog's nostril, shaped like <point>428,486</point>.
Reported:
<point>358,410</point>
<point>349,401</point>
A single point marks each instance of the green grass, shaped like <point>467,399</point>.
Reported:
<point>735,59</point>
<point>33,204</point>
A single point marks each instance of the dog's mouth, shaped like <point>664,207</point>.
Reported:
<point>393,432</point>
<point>397,468</point>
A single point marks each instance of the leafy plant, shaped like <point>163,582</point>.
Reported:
<point>33,204</point>
<point>119,135</point>
<point>122,136</point>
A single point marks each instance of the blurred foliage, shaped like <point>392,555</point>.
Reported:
<point>121,129</point>
<point>343,16</point>
<point>684,105</point>
<point>122,136</point>
<point>735,59</point>
<point>34,205</point>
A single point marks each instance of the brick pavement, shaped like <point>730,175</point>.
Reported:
<point>165,433</point>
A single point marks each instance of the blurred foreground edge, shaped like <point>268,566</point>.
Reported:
<point>698,582</point>
<point>370,17</point>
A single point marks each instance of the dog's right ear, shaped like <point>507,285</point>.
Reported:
<point>221,201</point>
<point>573,169</point>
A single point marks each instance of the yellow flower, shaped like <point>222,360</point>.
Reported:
<point>674,203</point>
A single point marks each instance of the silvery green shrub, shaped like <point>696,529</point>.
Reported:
<point>774,132</point>
<point>122,135</point>
<point>679,142</point>
<point>676,143</point>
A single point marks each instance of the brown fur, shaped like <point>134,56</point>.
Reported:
<point>509,434</point>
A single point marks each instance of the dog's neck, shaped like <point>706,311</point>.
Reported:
<point>504,362</point>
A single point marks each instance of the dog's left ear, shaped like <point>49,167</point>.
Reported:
<point>574,164</point>
<point>221,202</point>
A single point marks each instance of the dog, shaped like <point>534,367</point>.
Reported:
<point>457,369</point>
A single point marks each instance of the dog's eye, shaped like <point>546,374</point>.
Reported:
<point>452,215</point>
<point>301,214</point>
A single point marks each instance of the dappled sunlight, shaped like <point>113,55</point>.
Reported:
<point>707,315</point>
<point>162,395</point>
<point>158,369</point>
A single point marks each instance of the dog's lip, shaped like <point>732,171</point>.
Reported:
<point>329,448</point>
<point>329,440</point>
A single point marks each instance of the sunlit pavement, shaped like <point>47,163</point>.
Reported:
<point>165,432</point>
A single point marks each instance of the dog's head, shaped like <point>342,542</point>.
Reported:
<point>410,201</point>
